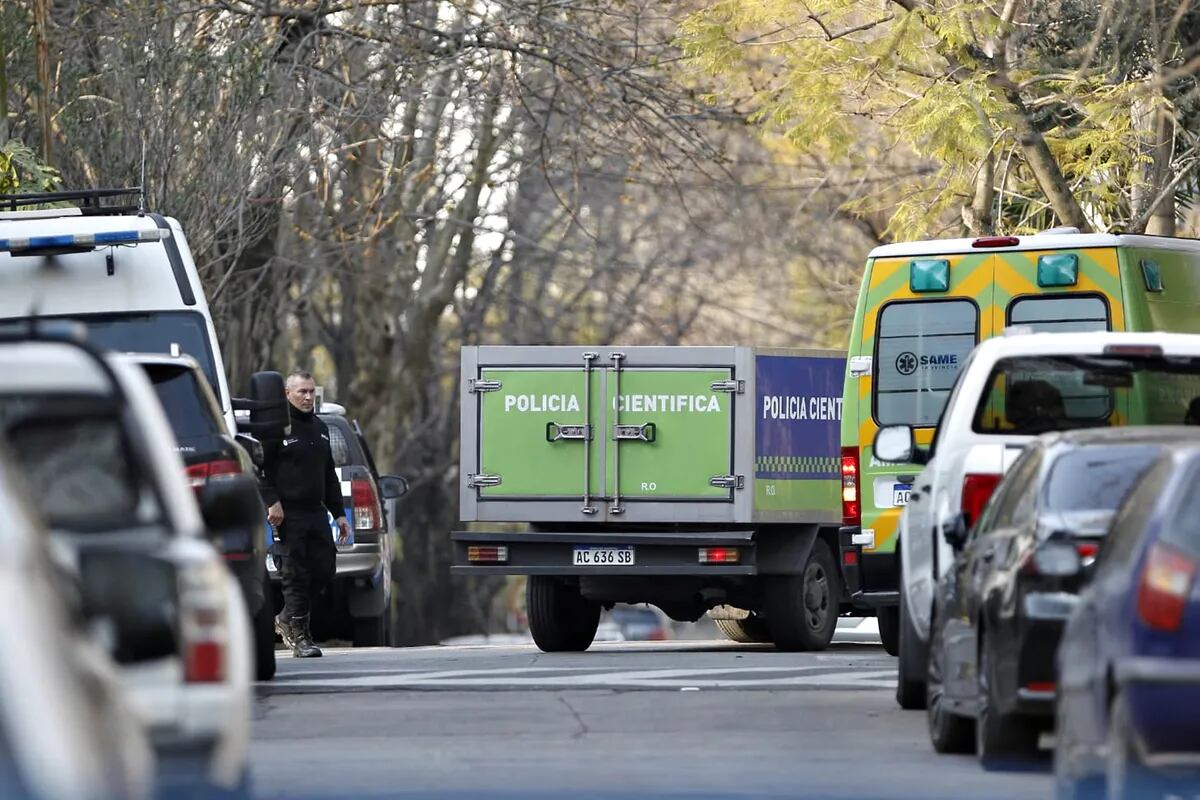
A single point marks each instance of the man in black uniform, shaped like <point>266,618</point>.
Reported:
<point>300,485</point>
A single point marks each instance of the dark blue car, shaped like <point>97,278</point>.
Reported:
<point>1128,702</point>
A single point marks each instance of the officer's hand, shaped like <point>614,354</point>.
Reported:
<point>275,515</point>
<point>343,531</point>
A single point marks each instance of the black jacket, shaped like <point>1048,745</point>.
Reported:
<point>298,469</point>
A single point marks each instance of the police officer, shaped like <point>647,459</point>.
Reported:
<point>300,485</point>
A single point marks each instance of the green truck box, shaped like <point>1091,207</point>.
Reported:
<point>698,479</point>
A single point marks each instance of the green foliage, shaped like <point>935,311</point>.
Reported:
<point>948,82</point>
<point>21,171</point>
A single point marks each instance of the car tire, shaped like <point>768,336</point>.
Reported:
<point>948,732</point>
<point>1001,740</point>
<point>911,663</point>
<point>561,620</point>
<point>888,618</point>
<point>264,638</point>
<point>802,610</point>
<point>751,630</point>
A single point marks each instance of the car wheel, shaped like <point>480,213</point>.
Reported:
<point>911,663</point>
<point>1001,740</point>
<point>560,618</point>
<point>888,618</point>
<point>264,639</point>
<point>751,630</point>
<point>948,732</point>
<point>1068,785</point>
<point>802,610</point>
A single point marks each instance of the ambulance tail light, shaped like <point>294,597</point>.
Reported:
<point>851,505</point>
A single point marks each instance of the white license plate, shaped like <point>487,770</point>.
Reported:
<point>901,493</point>
<point>603,557</point>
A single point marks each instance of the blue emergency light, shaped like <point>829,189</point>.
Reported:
<point>81,241</point>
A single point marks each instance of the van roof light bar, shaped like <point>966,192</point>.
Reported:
<point>89,201</point>
<point>79,242</point>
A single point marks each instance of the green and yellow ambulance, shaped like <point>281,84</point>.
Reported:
<point>924,305</point>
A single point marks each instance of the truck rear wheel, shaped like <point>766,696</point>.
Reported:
<point>751,630</point>
<point>802,610</point>
<point>560,618</point>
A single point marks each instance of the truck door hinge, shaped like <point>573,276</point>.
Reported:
<point>477,481</point>
<point>728,481</point>
<point>860,366</point>
<point>729,387</point>
<point>475,386</point>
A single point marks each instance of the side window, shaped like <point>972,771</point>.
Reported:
<point>920,348</point>
<point>1183,525</point>
<point>339,446</point>
<point>1130,522</point>
<point>1061,313</point>
<point>1018,499</point>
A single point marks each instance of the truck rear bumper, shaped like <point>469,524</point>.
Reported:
<point>870,577</point>
<point>655,553</point>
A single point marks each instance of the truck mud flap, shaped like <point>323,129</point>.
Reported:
<point>648,553</point>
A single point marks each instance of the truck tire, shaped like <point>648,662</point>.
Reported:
<point>560,618</point>
<point>264,639</point>
<point>751,630</point>
<point>802,610</point>
<point>888,618</point>
<point>912,663</point>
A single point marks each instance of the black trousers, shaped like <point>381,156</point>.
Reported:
<point>309,559</point>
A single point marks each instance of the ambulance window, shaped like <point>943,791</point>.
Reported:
<point>920,350</point>
<point>1060,313</point>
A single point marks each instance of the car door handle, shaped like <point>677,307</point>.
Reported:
<point>988,556</point>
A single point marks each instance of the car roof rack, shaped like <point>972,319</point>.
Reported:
<point>88,201</point>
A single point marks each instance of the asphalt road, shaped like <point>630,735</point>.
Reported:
<point>685,719</point>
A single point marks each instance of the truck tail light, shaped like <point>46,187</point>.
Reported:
<point>487,554</point>
<point>851,506</point>
<point>367,514</point>
<point>1163,591</point>
<point>719,555</point>
<point>221,469</point>
<point>976,489</point>
<point>203,623</point>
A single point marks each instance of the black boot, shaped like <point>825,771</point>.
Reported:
<point>302,645</point>
<point>283,627</point>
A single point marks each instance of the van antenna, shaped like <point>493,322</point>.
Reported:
<point>142,183</point>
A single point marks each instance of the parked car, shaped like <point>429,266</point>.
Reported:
<point>1129,665</point>
<point>1010,389</point>
<point>360,605</point>
<point>999,609</point>
<point>211,454</point>
<point>639,623</point>
<point>70,732</point>
<point>89,432</point>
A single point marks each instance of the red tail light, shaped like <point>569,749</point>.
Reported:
<point>996,241</point>
<point>977,488</point>
<point>203,662</point>
<point>221,469</point>
<point>851,505</point>
<point>1164,588</point>
<point>367,514</point>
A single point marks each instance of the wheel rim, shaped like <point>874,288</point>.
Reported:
<point>816,596</point>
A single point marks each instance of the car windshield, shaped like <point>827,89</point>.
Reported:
<point>1096,478</point>
<point>73,454</point>
<point>1029,395</point>
<point>152,332</point>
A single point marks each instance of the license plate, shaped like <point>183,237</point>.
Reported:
<point>900,493</point>
<point>603,557</point>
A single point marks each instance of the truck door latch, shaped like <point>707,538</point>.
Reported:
<point>638,433</point>
<point>728,481</point>
<point>729,387</point>
<point>477,481</point>
<point>477,386</point>
<point>555,432</point>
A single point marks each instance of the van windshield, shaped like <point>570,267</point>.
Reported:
<point>1030,395</point>
<point>152,332</point>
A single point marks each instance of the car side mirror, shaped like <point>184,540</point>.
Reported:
<point>392,486</point>
<point>253,447</point>
<point>231,504</point>
<point>267,405</point>
<point>895,444</point>
<point>955,532</point>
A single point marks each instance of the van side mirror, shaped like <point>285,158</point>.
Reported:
<point>392,486</point>
<point>955,532</point>
<point>896,444</point>
<point>231,504</point>
<point>267,405</point>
